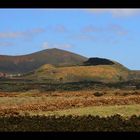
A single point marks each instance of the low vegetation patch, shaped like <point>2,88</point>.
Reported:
<point>69,123</point>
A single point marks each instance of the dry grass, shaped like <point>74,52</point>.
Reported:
<point>80,73</point>
<point>103,111</point>
<point>36,101</point>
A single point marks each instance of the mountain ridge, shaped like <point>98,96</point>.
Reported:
<point>29,62</point>
<point>56,64</point>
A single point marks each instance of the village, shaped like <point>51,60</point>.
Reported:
<point>6,75</point>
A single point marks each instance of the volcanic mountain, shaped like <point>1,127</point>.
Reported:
<point>56,65</point>
<point>93,69</point>
<point>30,62</point>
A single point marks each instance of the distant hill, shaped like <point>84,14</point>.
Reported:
<point>101,72</point>
<point>56,65</point>
<point>30,62</point>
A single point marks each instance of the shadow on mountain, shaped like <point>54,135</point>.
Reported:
<point>98,61</point>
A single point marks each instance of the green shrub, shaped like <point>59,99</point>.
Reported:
<point>98,94</point>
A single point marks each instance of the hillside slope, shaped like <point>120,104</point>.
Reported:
<point>135,75</point>
<point>103,73</point>
<point>26,63</point>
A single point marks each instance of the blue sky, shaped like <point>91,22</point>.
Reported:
<point>107,33</point>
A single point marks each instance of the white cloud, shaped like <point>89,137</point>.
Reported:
<point>117,12</point>
<point>23,34</point>
<point>6,44</point>
<point>83,37</point>
<point>114,28</point>
<point>47,45</point>
<point>60,28</point>
<point>117,29</point>
<point>91,28</point>
<point>63,46</point>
